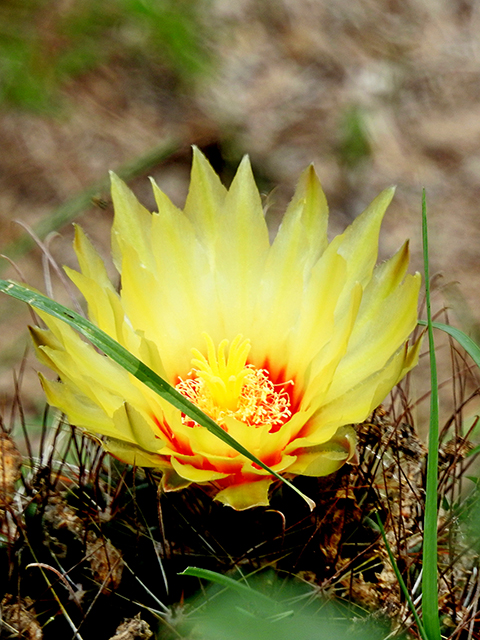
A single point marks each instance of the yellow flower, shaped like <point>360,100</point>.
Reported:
<point>285,345</point>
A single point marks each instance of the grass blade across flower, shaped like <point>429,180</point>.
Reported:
<point>284,346</point>
<point>134,366</point>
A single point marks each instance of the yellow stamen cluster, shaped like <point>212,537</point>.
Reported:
<point>227,387</point>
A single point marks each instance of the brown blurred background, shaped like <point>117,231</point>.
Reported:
<point>374,92</point>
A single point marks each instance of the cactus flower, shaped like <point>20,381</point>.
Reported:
<point>284,344</point>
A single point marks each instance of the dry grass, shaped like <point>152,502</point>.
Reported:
<point>88,541</point>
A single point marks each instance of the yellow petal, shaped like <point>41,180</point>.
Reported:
<point>323,367</point>
<point>206,443</point>
<point>357,404</point>
<point>316,323</point>
<point>134,427</point>
<point>304,226</point>
<point>80,410</point>
<point>91,264</point>
<point>99,300</point>
<point>388,325</point>
<point>324,459</point>
<point>242,250</point>
<point>205,200</point>
<point>132,454</point>
<point>44,338</point>
<point>77,362</point>
<point>245,496</point>
<point>359,243</point>
<point>388,275</point>
<point>299,243</point>
<point>131,226</point>
<point>171,481</point>
<point>193,474</point>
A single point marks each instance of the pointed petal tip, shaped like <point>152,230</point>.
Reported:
<point>198,156</point>
<point>244,172</point>
<point>245,496</point>
<point>245,161</point>
<point>388,193</point>
<point>117,185</point>
<point>34,335</point>
<point>311,172</point>
<point>79,234</point>
<point>402,255</point>
<point>201,167</point>
<point>381,202</point>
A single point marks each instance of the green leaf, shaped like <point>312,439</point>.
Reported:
<point>133,365</point>
<point>223,580</point>
<point>431,618</point>
<point>470,346</point>
<point>463,340</point>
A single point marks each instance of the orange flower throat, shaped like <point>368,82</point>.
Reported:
<point>226,387</point>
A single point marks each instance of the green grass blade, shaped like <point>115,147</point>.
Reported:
<point>470,346</point>
<point>430,573</point>
<point>134,366</point>
<point>223,580</point>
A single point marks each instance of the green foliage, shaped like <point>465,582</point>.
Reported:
<point>431,619</point>
<point>354,143</point>
<point>44,44</point>
<point>265,607</point>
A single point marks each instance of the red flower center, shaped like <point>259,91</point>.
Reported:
<point>226,387</point>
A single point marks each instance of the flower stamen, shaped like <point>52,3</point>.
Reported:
<point>223,377</point>
<point>225,386</point>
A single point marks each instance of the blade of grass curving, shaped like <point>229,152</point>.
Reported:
<point>470,346</point>
<point>224,581</point>
<point>58,600</point>
<point>137,368</point>
<point>430,555</point>
<point>401,582</point>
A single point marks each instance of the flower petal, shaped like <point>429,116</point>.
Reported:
<point>91,264</point>
<point>132,454</point>
<point>359,244</point>
<point>357,404</point>
<point>131,225</point>
<point>194,474</point>
<point>320,299</point>
<point>104,306</point>
<point>171,481</point>
<point>324,459</point>
<point>241,253</point>
<point>82,412</point>
<point>131,425</point>
<point>300,241</point>
<point>388,324</point>
<point>205,200</point>
<point>246,495</point>
<point>323,367</point>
